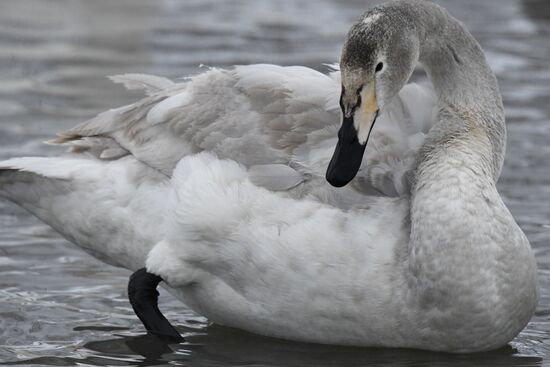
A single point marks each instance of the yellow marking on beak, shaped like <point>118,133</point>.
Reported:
<point>368,95</point>
<point>365,116</point>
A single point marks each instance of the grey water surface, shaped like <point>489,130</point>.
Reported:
<point>61,307</point>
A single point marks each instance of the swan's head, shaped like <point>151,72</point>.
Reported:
<point>378,57</point>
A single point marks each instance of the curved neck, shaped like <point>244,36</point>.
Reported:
<point>469,100</point>
<point>464,246</point>
<point>454,188</point>
<point>461,159</point>
<point>455,63</point>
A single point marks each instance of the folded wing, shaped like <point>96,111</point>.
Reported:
<point>280,122</point>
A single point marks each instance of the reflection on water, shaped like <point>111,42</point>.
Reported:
<point>220,346</point>
<point>223,345</point>
<point>58,306</point>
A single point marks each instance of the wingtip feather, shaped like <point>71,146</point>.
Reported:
<point>151,84</point>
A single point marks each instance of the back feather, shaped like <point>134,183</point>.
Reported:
<point>263,117</point>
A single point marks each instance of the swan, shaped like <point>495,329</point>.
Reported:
<point>217,187</point>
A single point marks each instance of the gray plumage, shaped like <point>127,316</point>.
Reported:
<point>443,266</point>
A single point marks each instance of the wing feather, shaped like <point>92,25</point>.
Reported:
<point>151,84</point>
<point>265,117</point>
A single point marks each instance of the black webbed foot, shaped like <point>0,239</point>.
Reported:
<point>143,295</point>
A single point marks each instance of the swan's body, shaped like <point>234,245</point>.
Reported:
<point>217,185</point>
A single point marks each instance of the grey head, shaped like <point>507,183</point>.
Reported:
<point>378,57</point>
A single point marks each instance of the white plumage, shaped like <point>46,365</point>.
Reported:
<point>206,221</point>
<point>282,135</point>
<point>217,185</point>
<point>256,115</point>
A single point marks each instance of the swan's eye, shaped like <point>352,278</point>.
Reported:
<point>379,67</point>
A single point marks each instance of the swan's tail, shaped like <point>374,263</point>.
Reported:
<point>25,182</point>
<point>103,207</point>
<point>43,186</point>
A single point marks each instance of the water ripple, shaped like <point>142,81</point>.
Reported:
<point>59,306</point>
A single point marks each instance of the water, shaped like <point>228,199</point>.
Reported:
<point>59,306</point>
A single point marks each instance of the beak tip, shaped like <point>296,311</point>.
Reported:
<point>336,183</point>
<point>336,180</point>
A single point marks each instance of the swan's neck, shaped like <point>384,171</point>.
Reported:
<point>460,230</point>
<point>468,97</point>
<point>464,150</point>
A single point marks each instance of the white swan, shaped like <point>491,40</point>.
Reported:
<point>217,186</point>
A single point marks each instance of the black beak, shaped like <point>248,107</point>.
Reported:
<point>347,156</point>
